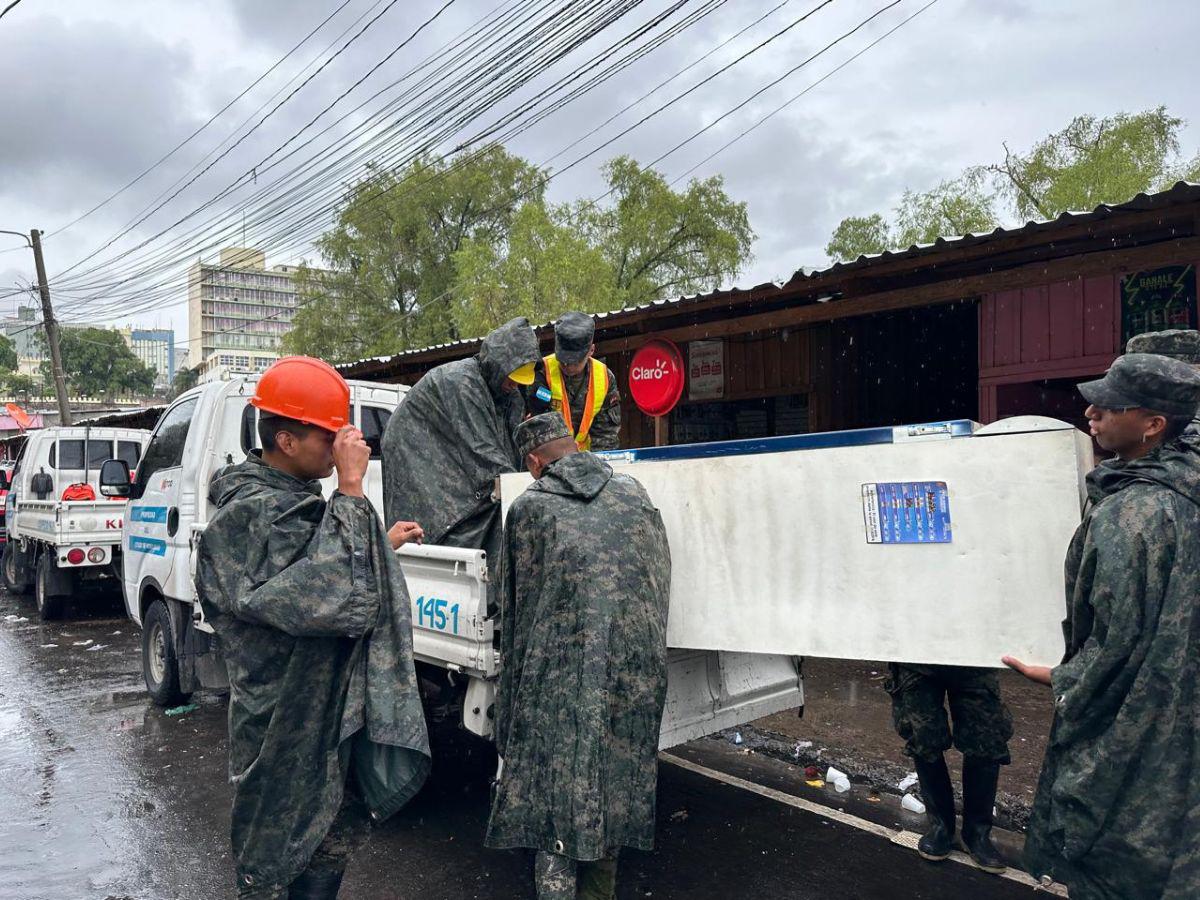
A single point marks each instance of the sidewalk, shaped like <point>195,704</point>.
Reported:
<point>848,720</point>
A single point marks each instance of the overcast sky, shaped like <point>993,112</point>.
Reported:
<point>93,93</point>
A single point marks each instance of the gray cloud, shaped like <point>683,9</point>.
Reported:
<point>941,94</point>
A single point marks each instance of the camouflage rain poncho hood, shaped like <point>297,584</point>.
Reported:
<point>584,584</point>
<point>451,436</point>
<point>313,616</point>
<point>1117,812</point>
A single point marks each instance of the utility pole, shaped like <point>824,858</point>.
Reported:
<point>60,381</point>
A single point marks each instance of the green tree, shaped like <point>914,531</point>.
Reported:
<point>646,243</point>
<point>1090,162</point>
<point>661,242</point>
<point>545,268</point>
<point>858,236</point>
<point>8,354</point>
<point>19,385</point>
<point>98,363</point>
<point>185,379</point>
<point>389,256</point>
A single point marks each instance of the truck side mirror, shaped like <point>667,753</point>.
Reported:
<point>114,478</point>
<point>5,484</point>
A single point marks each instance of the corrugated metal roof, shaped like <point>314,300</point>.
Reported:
<point>1179,193</point>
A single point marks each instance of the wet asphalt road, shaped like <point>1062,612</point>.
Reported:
<point>104,796</point>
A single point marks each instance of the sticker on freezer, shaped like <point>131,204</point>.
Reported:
<point>906,512</point>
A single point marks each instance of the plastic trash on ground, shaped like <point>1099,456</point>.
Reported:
<point>912,804</point>
<point>182,710</point>
<point>907,781</point>
<point>840,780</point>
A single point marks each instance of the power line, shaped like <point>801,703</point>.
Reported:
<point>6,9</point>
<point>724,69</point>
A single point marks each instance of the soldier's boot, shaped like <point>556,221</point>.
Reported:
<point>938,840</point>
<point>316,884</point>
<point>980,778</point>
<point>554,876</point>
<point>598,880</point>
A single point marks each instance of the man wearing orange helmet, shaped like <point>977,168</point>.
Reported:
<point>326,731</point>
<point>452,436</point>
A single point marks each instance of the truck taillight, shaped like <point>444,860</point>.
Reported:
<point>75,556</point>
<point>96,554</point>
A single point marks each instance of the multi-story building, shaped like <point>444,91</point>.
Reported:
<point>155,347</point>
<point>235,362</point>
<point>238,308</point>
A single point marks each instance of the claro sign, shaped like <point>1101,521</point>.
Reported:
<point>656,376</point>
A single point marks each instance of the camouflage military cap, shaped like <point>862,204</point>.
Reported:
<point>1178,343</point>
<point>1146,381</point>
<point>573,333</point>
<point>538,430</point>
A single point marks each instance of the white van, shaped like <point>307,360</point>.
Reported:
<point>61,531</point>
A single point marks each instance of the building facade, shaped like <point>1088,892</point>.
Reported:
<point>155,347</point>
<point>981,327</point>
<point>238,307</point>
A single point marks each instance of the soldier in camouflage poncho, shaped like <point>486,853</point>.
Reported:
<point>1117,812</point>
<point>326,729</point>
<point>584,583</point>
<point>452,436</point>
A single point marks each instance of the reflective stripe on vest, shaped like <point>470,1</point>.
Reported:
<point>597,391</point>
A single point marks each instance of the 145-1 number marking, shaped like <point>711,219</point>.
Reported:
<point>434,612</point>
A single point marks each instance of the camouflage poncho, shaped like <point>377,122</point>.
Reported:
<point>451,437</point>
<point>584,583</point>
<point>1117,813</point>
<point>313,617</point>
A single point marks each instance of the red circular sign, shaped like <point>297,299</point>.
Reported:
<point>656,377</point>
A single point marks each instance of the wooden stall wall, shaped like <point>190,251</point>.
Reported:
<point>1058,332</point>
<point>897,368</point>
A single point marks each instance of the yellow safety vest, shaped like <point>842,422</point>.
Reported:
<point>597,391</point>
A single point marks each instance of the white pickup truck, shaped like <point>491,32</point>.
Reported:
<point>61,531</point>
<point>453,637</point>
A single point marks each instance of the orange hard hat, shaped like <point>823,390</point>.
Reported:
<point>306,389</point>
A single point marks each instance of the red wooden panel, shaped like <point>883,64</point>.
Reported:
<point>1066,319</point>
<point>1101,315</point>
<point>1035,324</point>
<point>987,331</point>
<point>1006,335</point>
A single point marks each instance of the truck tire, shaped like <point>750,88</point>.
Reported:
<point>16,579</point>
<point>49,604</point>
<point>160,666</point>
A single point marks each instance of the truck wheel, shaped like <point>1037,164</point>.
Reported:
<point>16,579</point>
<point>160,667</point>
<point>49,604</point>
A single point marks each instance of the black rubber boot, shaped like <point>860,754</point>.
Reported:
<point>938,840</point>
<point>316,884</point>
<point>980,778</point>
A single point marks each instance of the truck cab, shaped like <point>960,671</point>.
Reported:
<point>202,431</point>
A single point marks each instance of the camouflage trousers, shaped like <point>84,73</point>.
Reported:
<point>562,878</point>
<point>982,723</point>
<point>349,831</point>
